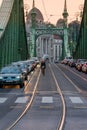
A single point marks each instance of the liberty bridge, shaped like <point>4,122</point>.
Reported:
<point>37,31</point>
<point>13,34</point>
<point>56,100</point>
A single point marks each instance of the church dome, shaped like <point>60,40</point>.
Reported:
<point>39,16</point>
<point>60,23</point>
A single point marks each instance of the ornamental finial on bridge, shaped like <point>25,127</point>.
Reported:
<point>33,4</point>
<point>65,13</point>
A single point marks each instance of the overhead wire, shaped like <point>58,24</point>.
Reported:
<point>44,9</point>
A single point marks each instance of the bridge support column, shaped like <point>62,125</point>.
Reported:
<point>33,44</point>
<point>66,46</point>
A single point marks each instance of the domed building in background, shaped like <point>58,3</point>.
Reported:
<point>60,23</point>
<point>39,16</point>
<point>46,44</point>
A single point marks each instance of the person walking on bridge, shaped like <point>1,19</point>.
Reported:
<point>43,67</point>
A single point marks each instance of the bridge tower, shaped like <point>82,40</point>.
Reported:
<point>13,41</point>
<point>81,47</point>
<point>33,26</point>
<point>66,51</point>
<point>35,32</point>
<point>65,13</point>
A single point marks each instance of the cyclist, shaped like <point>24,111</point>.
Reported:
<point>43,67</point>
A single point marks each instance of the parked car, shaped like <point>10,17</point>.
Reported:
<point>35,59</point>
<point>56,61</point>
<point>22,66</point>
<point>84,67</point>
<point>66,60</point>
<point>11,76</point>
<point>68,57</point>
<point>33,63</point>
<point>80,63</point>
<point>72,62</point>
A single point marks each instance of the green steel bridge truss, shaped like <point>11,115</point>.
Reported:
<point>13,43</point>
<point>62,32</point>
<point>81,48</point>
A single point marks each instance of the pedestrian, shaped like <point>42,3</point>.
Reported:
<point>43,67</point>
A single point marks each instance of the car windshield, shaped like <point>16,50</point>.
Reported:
<point>70,57</point>
<point>10,70</point>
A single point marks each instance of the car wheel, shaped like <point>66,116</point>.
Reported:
<point>86,71</point>
<point>21,85</point>
<point>26,77</point>
<point>1,86</point>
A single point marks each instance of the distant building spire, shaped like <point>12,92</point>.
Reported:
<point>65,13</point>
<point>33,6</point>
<point>65,6</point>
<point>33,15</point>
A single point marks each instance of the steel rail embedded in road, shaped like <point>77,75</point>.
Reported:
<point>61,123</point>
<point>82,77</point>
<point>77,88</point>
<point>28,106</point>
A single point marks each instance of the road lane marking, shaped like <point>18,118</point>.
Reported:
<point>47,92</point>
<point>2,99</point>
<point>80,107</point>
<point>16,106</point>
<point>70,92</point>
<point>47,99</point>
<point>47,107</point>
<point>75,99</point>
<point>22,99</point>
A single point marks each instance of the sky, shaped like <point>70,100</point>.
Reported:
<point>52,9</point>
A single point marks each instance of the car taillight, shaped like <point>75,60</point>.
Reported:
<point>85,65</point>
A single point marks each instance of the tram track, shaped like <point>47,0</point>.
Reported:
<point>61,123</point>
<point>78,79</point>
<point>28,105</point>
<point>75,91</point>
<point>76,72</point>
<point>61,119</point>
<point>59,91</point>
<point>47,93</point>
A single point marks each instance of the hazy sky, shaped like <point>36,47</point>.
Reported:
<point>55,8</point>
<point>52,9</point>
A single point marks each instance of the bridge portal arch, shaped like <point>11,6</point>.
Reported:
<point>62,32</point>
